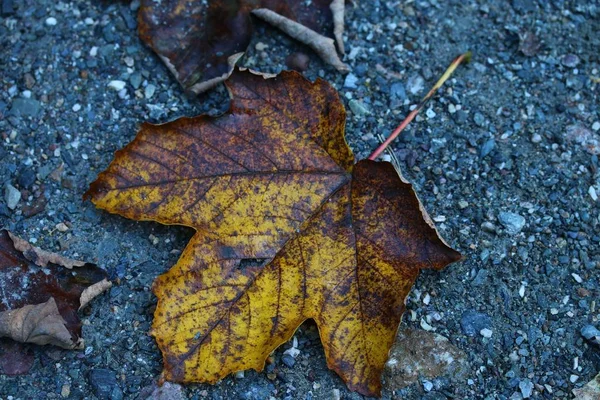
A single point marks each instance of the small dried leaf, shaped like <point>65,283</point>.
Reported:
<point>40,293</point>
<point>287,229</point>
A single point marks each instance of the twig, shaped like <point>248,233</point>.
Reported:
<point>463,57</point>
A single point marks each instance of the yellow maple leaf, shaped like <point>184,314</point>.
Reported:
<point>287,229</point>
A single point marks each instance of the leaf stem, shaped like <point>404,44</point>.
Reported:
<point>463,57</point>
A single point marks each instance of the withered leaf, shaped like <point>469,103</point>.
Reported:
<point>287,229</point>
<point>200,41</point>
<point>41,292</point>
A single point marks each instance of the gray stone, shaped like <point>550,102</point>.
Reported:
<point>591,333</point>
<point>526,387</point>
<point>350,81</point>
<point>104,384</point>
<point>168,391</point>
<point>25,107</point>
<point>398,91</point>
<point>135,80</point>
<point>149,91</point>
<point>487,148</point>
<point>358,108</point>
<point>513,223</point>
<point>435,357</point>
<point>415,84</point>
<point>288,360</point>
<point>12,196</point>
<point>472,322</point>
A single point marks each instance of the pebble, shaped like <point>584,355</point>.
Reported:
<point>12,196</point>
<point>592,193</point>
<point>76,107</point>
<point>358,108</point>
<point>526,387</point>
<point>513,223</point>
<point>116,85</point>
<point>51,21</point>
<point>473,322</point>
<point>487,148</point>
<point>570,60</point>
<point>486,333</point>
<point>350,81</point>
<point>536,138</point>
<point>25,107</point>
<point>590,332</point>
<point>596,126</point>
<point>135,80</point>
<point>288,360</point>
<point>104,384</point>
<point>149,91</point>
<point>428,386</point>
<point>297,61</point>
<point>398,91</point>
<point>168,391</point>
<point>415,84</point>
<point>479,119</point>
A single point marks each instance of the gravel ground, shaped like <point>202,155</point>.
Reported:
<point>503,160</point>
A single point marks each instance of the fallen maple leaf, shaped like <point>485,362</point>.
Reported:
<point>41,292</point>
<point>200,41</point>
<point>287,229</point>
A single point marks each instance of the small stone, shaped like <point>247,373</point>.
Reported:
<point>350,81</point>
<point>288,360</point>
<point>297,61</point>
<point>428,386</point>
<point>486,333</point>
<point>12,196</point>
<point>62,227</point>
<point>358,108</point>
<point>51,21</point>
<point>513,223</point>
<point>76,107</point>
<point>260,46</point>
<point>104,384</point>
<point>25,107</point>
<point>336,395</point>
<point>149,91</point>
<point>577,277</point>
<point>487,148</point>
<point>536,138</point>
<point>596,126</point>
<point>116,85</point>
<point>590,332</point>
<point>570,60</point>
<point>135,80</point>
<point>398,91</point>
<point>472,322</point>
<point>463,204</point>
<point>430,113</point>
<point>526,387</point>
<point>592,193</point>
<point>168,391</point>
<point>65,390</point>
<point>415,84</point>
<point>573,378</point>
<point>479,119</point>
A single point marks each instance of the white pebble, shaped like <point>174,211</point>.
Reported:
<point>427,386</point>
<point>451,108</point>
<point>596,126</point>
<point>573,378</point>
<point>592,193</point>
<point>116,85</point>
<point>576,277</point>
<point>50,21</point>
<point>76,107</point>
<point>94,51</point>
<point>536,138</point>
<point>427,299</point>
<point>430,113</point>
<point>89,21</point>
<point>486,333</point>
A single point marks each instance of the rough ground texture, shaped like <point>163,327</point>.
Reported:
<point>502,159</point>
